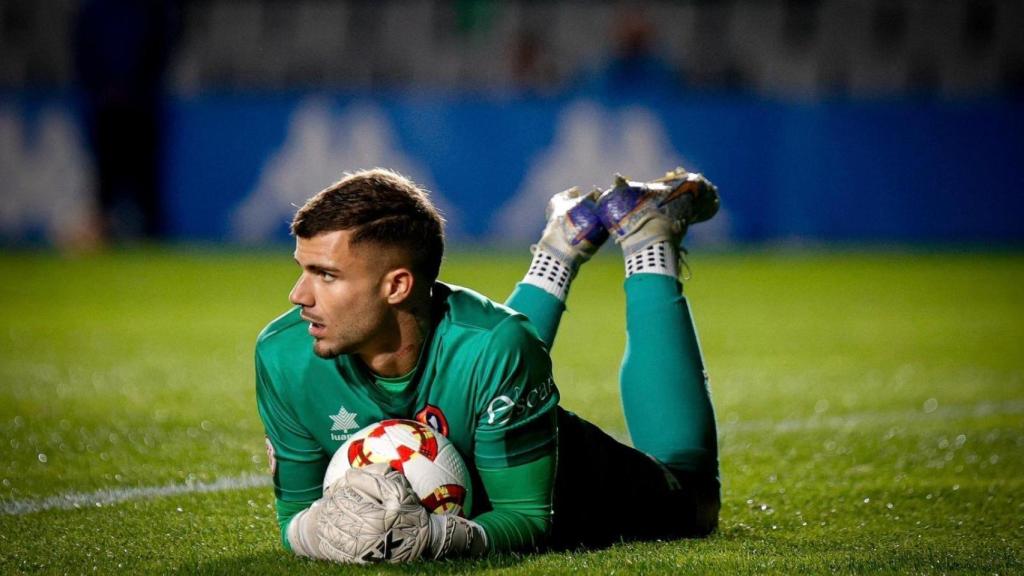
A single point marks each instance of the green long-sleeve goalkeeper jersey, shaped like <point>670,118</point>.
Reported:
<point>483,380</point>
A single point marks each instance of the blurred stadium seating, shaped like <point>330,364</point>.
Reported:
<point>893,93</point>
<point>769,47</point>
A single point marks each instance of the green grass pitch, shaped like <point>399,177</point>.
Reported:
<point>870,409</point>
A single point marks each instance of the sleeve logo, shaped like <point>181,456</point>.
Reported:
<point>497,408</point>
<point>502,409</point>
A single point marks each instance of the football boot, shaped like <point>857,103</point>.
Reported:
<point>636,213</point>
<point>573,232</point>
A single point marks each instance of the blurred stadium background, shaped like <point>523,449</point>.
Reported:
<point>822,121</point>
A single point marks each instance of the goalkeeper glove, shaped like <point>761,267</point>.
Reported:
<point>373,515</point>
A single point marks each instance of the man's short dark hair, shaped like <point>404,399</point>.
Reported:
<point>381,207</point>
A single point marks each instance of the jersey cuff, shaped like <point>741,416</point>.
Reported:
<point>286,511</point>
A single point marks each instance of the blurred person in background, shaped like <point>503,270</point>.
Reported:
<point>121,51</point>
<point>634,68</point>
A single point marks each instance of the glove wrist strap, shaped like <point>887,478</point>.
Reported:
<point>302,532</point>
<point>454,536</point>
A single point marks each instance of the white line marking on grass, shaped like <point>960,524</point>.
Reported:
<point>856,419</point>
<point>99,498</point>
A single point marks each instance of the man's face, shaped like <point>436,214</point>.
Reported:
<point>340,293</point>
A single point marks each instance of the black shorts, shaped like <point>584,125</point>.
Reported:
<point>607,492</point>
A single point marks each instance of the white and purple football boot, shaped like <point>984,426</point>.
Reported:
<point>637,213</point>
<point>574,231</point>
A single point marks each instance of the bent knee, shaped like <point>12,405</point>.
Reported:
<point>700,502</point>
<point>706,516</point>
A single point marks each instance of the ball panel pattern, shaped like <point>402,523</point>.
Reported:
<point>432,464</point>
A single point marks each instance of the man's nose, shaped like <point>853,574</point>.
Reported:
<point>301,295</point>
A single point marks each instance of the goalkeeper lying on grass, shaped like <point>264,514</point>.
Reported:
<point>373,335</point>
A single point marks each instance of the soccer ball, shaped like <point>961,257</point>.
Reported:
<point>430,462</point>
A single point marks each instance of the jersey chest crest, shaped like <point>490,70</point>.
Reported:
<point>434,417</point>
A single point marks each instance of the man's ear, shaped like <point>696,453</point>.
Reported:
<point>398,285</point>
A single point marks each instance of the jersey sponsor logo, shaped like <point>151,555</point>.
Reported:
<point>433,416</point>
<point>270,456</point>
<point>502,409</point>
<point>343,422</point>
<point>497,408</point>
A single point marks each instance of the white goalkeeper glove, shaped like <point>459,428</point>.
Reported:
<point>373,515</point>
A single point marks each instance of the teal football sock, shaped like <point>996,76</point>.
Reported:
<point>664,389</point>
<point>542,308</point>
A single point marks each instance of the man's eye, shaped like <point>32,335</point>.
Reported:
<point>327,276</point>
